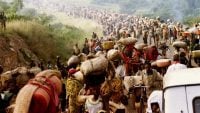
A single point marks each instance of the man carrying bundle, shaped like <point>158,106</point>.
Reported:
<point>151,78</point>
<point>176,65</point>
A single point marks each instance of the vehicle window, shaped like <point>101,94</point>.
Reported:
<point>196,105</point>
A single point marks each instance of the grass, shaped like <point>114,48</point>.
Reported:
<point>46,42</point>
<point>191,20</point>
<point>88,26</point>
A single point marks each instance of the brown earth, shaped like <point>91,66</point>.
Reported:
<point>14,52</point>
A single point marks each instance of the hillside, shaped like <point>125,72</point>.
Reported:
<point>174,9</point>
<point>24,41</point>
<point>40,34</point>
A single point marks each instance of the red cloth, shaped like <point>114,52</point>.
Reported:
<point>39,104</point>
<point>128,50</point>
<point>72,71</point>
<point>151,54</point>
<point>129,65</point>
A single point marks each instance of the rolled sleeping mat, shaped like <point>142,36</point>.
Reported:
<point>140,46</point>
<point>163,62</point>
<point>127,41</point>
<point>179,44</point>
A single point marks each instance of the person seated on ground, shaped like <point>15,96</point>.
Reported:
<point>40,95</point>
<point>176,65</point>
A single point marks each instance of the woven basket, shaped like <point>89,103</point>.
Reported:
<point>196,54</point>
<point>108,45</point>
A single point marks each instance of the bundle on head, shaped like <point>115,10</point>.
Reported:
<point>97,64</point>
<point>196,54</point>
<point>73,61</point>
<point>108,45</point>
<point>140,46</point>
<point>163,62</point>
<point>179,44</point>
<point>127,41</point>
<point>113,54</point>
<point>94,70</point>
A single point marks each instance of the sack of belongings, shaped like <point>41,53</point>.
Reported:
<point>127,41</point>
<point>94,65</point>
<point>140,46</point>
<point>130,81</point>
<point>82,57</point>
<point>163,62</point>
<point>154,63</point>
<point>108,45</point>
<point>113,54</point>
<point>179,44</point>
<point>99,53</point>
<point>196,54</point>
<point>73,60</point>
<point>78,76</point>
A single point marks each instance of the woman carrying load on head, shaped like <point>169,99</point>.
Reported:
<point>126,55</point>
<point>73,87</point>
<point>40,95</point>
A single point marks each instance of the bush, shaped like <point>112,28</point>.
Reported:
<point>46,43</point>
<point>191,20</point>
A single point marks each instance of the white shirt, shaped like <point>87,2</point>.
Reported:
<point>155,97</point>
<point>93,106</point>
<point>121,71</point>
<point>175,67</point>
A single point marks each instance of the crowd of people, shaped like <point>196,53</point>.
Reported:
<point>110,73</point>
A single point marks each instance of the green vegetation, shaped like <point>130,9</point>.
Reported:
<point>45,37</point>
<point>173,9</point>
<point>191,20</point>
<point>46,42</point>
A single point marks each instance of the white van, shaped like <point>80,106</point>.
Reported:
<point>181,93</point>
